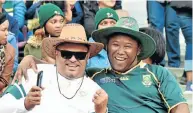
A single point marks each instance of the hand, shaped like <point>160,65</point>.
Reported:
<point>100,100</point>
<point>26,63</point>
<point>33,98</point>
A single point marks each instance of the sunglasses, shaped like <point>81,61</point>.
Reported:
<point>68,54</point>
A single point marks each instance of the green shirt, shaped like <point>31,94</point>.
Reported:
<point>136,91</point>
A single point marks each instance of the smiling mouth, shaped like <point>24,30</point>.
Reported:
<point>72,66</point>
<point>120,58</point>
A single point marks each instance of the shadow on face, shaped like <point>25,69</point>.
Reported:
<point>106,23</point>
<point>71,59</point>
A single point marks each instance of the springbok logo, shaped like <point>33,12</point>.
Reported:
<point>109,15</point>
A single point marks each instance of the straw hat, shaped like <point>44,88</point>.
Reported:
<point>71,33</point>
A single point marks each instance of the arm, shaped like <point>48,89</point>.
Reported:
<point>19,12</point>
<point>79,13</point>
<point>173,97</point>
<point>26,51</point>
<point>28,62</point>
<point>9,63</point>
<point>181,108</point>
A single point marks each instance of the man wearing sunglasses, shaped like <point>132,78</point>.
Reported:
<point>64,88</point>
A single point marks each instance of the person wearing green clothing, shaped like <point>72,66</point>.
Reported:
<point>132,85</point>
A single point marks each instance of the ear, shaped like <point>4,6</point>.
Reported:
<point>138,50</point>
<point>88,55</point>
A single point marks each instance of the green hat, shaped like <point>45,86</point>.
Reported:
<point>128,26</point>
<point>105,13</point>
<point>47,11</point>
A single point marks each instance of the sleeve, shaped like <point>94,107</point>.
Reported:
<point>13,42</point>
<point>19,12</point>
<point>8,69</point>
<point>14,105</point>
<point>170,89</point>
<point>26,51</point>
<point>79,13</point>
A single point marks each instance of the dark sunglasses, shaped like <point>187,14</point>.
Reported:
<point>68,54</point>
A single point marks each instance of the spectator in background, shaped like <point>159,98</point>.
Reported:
<point>77,13</point>
<point>184,13</point>
<point>51,20</point>
<point>105,17</point>
<point>160,15</point>
<point>7,54</point>
<point>13,33</point>
<point>158,37</point>
<point>90,9</point>
<point>17,9</point>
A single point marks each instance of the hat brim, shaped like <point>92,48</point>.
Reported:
<point>49,46</point>
<point>148,44</point>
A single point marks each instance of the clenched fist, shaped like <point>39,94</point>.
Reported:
<point>33,98</point>
<point>100,100</point>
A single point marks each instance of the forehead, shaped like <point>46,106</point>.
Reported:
<point>73,47</point>
<point>108,20</point>
<point>56,17</point>
<point>4,24</point>
<point>122,38</point>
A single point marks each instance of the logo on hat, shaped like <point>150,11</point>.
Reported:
<point>57,12</point>
<point>109,15</point>
<point>128,24</point>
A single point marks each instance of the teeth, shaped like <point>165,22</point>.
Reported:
<point>119,58</point>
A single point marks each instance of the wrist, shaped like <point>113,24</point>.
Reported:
<point>27,106</point>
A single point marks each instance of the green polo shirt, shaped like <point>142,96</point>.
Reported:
<point>138,90</point>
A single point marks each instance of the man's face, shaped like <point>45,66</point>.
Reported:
<point>4,32</point>
<point>106,23</point>
<point>72,66</point>
<point>122,52</point>
<point>54,25</point>
<point>108,3</point>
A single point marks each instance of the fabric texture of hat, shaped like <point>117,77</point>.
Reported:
<point>2,18</point>
<point>47,11</point>
<point>105,13</point>
<point>128,26</point>
<point>71,33</point>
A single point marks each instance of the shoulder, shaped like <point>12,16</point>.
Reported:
<point>160,72</point>
<point>91,72</point>
<point>9,51</point>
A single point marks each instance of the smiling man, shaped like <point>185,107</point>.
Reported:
<point>66,85</point>
<point>134,86</point>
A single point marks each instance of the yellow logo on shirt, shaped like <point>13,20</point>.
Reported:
<point>147,80</point>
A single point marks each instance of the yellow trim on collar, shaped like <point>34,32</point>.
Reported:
<point>141,64</point>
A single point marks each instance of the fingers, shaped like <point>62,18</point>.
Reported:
<point>33,98</point>
<point>17,76</point>
<point>100,96</point>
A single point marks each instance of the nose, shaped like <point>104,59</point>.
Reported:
<point>73,59</point>
<point>121,51</point>
<point>6,33</point>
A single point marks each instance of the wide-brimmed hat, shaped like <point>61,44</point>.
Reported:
<point>71,33</point>
<point>127,26</point>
